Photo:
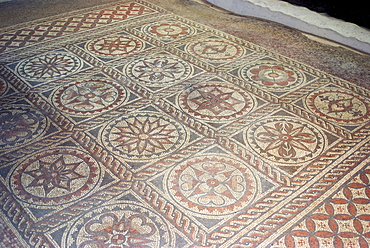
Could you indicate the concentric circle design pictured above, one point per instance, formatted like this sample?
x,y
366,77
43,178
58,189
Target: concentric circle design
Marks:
x,y
20,124
119,225
113,46
55,177
286,140
273,77
159,71
50,66
168,30
339,105
212,185
215,50
143,136
217,102
89,96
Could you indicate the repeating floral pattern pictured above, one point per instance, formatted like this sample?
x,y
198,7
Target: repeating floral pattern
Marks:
x,y
120,227
55,177
128,126
212,185
49,66
287,140
273,76
89,96
143,136
343,221
169,30
159,71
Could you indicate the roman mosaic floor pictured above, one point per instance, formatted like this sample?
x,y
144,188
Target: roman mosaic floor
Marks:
x,y
126,125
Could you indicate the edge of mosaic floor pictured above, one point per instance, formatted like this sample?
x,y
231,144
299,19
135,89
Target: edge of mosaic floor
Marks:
x,y
206,179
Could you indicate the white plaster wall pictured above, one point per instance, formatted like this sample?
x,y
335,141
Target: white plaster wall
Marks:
x,y
301,18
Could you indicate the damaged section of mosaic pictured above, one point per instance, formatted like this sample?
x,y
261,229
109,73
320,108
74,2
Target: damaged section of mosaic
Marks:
x,y
156,131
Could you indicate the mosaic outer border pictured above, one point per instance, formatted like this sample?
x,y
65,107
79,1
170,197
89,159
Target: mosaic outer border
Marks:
x,y
257,224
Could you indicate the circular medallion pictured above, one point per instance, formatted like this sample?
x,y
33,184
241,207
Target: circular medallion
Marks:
x,y
89,96
168,30
20,124
113,46
119,225
216,102
212,185
339,105
50,66
143,136
159,71
3,87
215,50
286,140
55,177
272,76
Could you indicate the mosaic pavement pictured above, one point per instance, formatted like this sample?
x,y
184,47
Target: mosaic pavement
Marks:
x,y
127,126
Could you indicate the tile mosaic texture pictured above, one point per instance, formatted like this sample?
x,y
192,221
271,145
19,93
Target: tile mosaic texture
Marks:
x,y
128,126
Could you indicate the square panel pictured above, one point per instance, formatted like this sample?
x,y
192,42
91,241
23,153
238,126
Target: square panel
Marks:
x,y
211,186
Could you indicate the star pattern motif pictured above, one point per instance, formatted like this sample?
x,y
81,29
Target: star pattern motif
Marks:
x,y
113,45
145,136
56,174
49,66
216,101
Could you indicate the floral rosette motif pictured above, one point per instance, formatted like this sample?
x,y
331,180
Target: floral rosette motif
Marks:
x,y
55,177
159,70
286,140
212,185
143,136
119,226
273,77
169,30
90,96
49,66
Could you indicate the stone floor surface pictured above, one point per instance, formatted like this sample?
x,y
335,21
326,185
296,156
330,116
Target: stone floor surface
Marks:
x,y
176,124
